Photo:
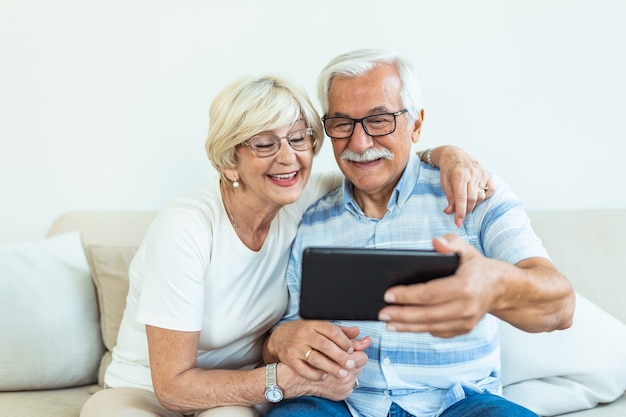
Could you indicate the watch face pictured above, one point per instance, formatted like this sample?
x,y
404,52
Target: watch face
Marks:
x,y
273,394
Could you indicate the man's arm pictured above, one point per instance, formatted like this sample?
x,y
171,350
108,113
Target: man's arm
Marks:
x,y
531,295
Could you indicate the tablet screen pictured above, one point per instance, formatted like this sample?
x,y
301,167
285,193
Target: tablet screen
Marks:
x,y
350,283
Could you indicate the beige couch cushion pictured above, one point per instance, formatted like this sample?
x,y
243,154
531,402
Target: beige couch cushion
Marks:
x,y
109,271
65,402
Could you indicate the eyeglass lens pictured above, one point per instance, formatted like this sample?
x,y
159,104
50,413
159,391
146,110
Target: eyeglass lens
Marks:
x,y
375,125
267,144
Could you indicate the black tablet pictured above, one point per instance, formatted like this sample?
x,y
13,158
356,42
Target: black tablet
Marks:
x,y
349,283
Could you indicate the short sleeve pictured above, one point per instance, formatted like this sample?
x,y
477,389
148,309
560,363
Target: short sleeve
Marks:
x,y
172,261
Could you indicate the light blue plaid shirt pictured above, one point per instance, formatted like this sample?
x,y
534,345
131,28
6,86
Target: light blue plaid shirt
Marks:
x,y
422,374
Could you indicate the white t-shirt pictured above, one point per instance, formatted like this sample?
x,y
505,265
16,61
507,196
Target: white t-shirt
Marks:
x,y
192,273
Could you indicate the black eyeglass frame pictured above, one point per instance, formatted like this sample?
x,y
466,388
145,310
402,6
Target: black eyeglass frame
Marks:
x,y
355,121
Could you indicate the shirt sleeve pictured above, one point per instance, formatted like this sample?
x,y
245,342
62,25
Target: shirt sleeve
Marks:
x,y
505,229
174,258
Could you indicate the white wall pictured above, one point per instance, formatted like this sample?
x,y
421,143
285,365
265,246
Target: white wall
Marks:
x,y
103,104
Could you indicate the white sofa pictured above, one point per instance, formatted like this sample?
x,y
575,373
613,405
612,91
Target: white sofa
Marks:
x,y
571,370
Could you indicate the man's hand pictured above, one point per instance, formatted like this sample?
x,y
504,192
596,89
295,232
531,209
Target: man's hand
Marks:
x,y
531,295
444,307
314,349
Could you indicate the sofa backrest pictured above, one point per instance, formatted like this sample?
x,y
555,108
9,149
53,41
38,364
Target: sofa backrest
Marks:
x,y
105,227
589,247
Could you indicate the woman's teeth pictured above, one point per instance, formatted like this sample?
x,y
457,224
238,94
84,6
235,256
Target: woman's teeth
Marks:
x,y
284,176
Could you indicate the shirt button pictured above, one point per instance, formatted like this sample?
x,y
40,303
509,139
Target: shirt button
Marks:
x,y
386,361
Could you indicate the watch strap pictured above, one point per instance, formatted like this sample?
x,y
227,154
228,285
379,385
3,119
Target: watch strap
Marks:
x,y
270,374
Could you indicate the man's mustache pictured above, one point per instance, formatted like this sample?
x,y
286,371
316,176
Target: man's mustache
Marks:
x,y
369,155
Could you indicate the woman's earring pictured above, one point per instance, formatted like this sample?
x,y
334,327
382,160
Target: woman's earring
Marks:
x,y
235,183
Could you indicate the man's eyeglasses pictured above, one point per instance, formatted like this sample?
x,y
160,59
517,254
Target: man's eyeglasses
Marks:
x,y
375,125
267,144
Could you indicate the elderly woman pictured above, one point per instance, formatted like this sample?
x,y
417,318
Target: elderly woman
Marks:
x,y
207,282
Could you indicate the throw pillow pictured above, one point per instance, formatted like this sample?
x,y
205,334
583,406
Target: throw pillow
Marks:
x,y
109,271
50,335
566,370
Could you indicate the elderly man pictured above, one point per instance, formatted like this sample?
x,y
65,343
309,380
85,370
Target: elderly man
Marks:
x,y
435,350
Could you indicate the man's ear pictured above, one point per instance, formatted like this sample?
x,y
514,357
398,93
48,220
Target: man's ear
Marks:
x,y
417,127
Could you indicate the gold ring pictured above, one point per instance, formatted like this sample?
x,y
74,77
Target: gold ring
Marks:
x,y
483,189
306,355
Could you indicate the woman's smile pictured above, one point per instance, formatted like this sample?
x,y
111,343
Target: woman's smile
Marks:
x,y
284,179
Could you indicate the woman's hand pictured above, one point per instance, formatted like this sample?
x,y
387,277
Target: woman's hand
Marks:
x,y
317,350
463,179
332,387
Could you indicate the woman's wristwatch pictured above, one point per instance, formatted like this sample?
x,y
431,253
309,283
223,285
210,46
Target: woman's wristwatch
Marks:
x,y
273,393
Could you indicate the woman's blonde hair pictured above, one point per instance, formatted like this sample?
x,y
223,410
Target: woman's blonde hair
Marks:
x,y
252,105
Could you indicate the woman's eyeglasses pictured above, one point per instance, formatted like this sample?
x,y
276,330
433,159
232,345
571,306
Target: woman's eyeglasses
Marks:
x,y
267,144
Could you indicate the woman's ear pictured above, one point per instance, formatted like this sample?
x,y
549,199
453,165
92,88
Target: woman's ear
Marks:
x,y
417,127
230,173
